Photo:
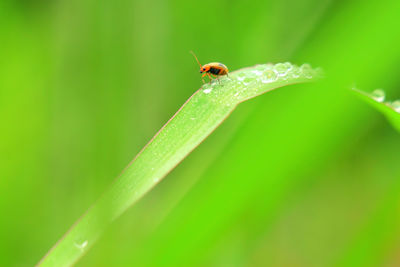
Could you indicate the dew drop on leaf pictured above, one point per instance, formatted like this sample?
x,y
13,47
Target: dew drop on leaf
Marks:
x,y
378,95
269,76
396,105
306,70
282,69
81,246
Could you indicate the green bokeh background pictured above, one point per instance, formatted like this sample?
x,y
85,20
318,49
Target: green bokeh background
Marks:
x,y
306,175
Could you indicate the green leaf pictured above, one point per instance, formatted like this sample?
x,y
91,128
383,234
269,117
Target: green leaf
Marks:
x,y
202,113
377,99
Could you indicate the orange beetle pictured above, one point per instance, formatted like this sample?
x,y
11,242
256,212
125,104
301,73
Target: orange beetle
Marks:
x,y
211,69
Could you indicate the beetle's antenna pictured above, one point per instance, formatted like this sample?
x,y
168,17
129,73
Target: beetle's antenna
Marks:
x,y
197,62
195,58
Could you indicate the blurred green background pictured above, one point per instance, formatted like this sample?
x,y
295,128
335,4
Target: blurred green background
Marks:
x,y
306,175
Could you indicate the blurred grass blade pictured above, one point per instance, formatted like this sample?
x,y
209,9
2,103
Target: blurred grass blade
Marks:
x,y
194,121
377,99
377,238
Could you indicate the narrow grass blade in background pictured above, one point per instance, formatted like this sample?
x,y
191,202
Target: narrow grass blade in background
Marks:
x,y
377,99
194,121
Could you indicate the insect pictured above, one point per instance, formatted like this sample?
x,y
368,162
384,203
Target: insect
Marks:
x,y
214,69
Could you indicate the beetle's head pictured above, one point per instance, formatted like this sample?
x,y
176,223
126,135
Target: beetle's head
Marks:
x,y
204,69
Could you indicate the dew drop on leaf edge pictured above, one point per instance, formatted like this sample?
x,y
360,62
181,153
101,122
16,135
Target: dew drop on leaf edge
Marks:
x,y
378,95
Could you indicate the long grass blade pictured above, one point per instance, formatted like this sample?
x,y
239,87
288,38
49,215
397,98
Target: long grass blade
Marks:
x,y
376,99
207,108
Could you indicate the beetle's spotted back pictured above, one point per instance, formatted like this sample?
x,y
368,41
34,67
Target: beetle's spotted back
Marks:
x,y
222,65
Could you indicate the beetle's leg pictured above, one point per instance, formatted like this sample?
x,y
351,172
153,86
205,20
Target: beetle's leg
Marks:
x,y
217,78
202,76
209,76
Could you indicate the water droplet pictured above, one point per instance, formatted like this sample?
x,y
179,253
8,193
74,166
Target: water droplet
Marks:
x,y
269,76
261,67
396,105
156,180
207,91
81,246
288,65
236,94
241,76
192,119
295,73
247,81
306,70
281,69
378,95
251,74
257,72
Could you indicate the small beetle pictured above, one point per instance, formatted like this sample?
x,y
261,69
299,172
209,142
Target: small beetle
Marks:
x,y
215,69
